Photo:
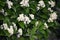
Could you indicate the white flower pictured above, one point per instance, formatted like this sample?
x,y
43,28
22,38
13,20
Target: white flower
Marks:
x,y
9,4
50,9
37,23
19,32
45,25
38,8
10,30
18,18
24,3
50,20
5,26
21,17
32,16
14,25
26,20
51,3
41,3
53,16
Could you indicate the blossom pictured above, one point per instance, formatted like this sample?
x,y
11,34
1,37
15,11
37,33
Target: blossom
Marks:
x,y
50,20
5,26
10,30
52,3
50,9
53,16
37,23
26,20
38,8
21,17
14,25
41,3
32,16
24,3
9,4
19,32
45,25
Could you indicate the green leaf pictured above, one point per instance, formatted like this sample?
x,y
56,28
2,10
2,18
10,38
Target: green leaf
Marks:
x,y
21,24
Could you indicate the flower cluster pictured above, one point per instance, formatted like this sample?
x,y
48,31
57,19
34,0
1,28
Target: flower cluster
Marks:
x,y
41,4
11,28
25,18
25,3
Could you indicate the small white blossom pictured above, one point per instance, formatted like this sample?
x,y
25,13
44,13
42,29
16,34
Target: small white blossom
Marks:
x,y
14,25
26,20
50,9
38,8
10,30
37,23
21,17
52,3
24,3
19,33
9,4
50,20
32,16
41,3
5,26
45,25
53,16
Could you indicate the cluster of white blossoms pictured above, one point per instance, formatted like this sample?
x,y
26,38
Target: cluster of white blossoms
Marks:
x,y
25,18
41,4
53,16
19,32
9,4
25,3
45,26
10,29
50,9
52,3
